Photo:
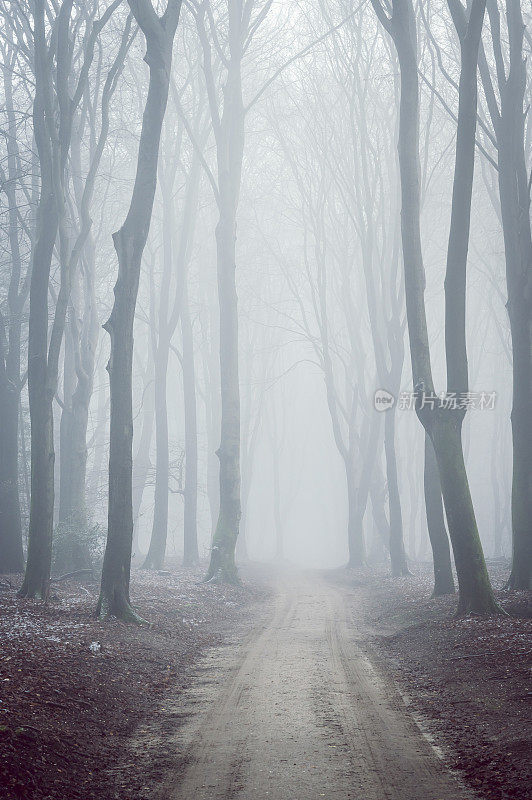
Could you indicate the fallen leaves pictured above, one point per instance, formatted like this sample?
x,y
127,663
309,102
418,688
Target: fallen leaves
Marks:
x,y
73,689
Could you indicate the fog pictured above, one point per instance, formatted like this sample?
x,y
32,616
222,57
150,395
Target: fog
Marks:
x,y
265,399
278,169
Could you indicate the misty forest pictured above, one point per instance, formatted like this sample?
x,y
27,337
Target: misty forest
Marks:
x,y
265,399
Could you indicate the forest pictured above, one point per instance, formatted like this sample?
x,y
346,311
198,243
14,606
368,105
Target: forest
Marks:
x,y
265,399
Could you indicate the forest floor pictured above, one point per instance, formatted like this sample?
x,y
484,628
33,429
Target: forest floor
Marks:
x,y
73,690
285,687
465,680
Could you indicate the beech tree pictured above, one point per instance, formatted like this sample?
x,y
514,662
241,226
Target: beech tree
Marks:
x,y
18,191
508,117
129,242
54,108
176,259
444,425
83,324
283,185
243,19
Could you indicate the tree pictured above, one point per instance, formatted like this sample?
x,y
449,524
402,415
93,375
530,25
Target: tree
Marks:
x,y
53,114
243,21
82,330
19,234
439,541
129,242
190,531
444,425
508,120
162,334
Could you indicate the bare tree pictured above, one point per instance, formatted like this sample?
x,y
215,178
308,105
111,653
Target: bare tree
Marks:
x,y
83,329
168,317
243,19
54,108
508,120
20,224
129,242
443,424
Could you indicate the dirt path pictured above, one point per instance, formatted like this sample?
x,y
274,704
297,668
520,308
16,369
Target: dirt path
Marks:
x,y
298,711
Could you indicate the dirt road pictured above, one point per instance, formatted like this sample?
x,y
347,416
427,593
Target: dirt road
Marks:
x,y
299,711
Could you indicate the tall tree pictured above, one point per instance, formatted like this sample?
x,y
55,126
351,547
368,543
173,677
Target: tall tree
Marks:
x,y
82,331
190,529
19,234
241,23
129,242
167,319
444,424
54,109
439,541
508,120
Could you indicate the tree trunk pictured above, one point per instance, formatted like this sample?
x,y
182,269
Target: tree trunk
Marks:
x,y
37,577
514,193
77,399
439,542
11,552
11,555
475,589
241,545
358,495
444,427
212,418
66,455
498,516
277,517
99,445
142,462
129,244
161,351
53,138
80,419
222,564
355,532
157,549
381,526
190,533
230,153
397,550
476,593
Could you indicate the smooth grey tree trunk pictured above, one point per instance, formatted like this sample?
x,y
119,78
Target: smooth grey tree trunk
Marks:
x,y
190,533
443,427
167,322
40,388
230,152
398,560
439,541
129,244
83,330
142,461
11,551
162,331
514,192
359,481
11,554
53,115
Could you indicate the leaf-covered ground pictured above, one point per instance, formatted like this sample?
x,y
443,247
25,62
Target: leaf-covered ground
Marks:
x,y
467,680
72,689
